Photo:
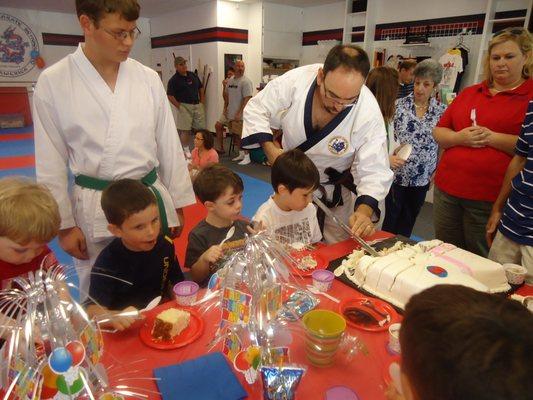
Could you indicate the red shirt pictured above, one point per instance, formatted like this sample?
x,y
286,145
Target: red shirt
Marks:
x,y
477,174
9,271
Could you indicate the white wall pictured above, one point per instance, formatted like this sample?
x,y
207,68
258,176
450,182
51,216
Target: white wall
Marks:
x,y
51,22
282,29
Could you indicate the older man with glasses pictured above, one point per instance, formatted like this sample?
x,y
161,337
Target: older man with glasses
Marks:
x,y
329,113
103,116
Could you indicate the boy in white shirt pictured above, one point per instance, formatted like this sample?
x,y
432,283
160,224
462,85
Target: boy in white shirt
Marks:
x,y
289,214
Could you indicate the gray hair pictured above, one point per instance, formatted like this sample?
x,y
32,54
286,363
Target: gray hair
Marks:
x,y
429,69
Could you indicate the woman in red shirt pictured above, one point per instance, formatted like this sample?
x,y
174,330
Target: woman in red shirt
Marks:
x,y
478,133
203,154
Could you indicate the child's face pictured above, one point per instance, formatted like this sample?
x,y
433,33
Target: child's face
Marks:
x,y
139,231
228,206
296,200
15,253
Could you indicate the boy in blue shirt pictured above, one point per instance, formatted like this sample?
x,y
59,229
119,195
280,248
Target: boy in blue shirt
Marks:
x,y
139,254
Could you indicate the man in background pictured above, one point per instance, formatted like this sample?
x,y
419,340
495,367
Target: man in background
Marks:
x,y
406,72
184,92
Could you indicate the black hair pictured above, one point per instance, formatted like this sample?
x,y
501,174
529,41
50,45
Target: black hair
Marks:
x,y
348,56
123,198
294,170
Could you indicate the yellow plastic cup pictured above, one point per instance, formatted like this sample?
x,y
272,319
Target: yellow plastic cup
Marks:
x,y
323,334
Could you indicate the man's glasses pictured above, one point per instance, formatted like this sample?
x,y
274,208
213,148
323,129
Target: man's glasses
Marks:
x,y
336,100
512,31
123,35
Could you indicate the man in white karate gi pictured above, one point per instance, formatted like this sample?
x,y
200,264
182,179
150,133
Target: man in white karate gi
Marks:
x,y
103,116
329,113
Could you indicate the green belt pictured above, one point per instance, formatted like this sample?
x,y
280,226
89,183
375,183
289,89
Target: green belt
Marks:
x,y
89,182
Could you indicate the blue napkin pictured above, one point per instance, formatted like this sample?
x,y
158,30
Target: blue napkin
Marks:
x,y
207,377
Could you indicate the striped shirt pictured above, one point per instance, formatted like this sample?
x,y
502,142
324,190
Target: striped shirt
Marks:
x,y
517,220
405,89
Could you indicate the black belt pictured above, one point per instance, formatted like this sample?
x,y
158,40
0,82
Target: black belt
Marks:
x,y
338,180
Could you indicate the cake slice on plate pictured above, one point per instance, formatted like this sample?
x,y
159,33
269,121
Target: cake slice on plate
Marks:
x,y
170,323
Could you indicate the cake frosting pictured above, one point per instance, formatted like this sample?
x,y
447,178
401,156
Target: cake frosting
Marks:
x,y
170,323
404,270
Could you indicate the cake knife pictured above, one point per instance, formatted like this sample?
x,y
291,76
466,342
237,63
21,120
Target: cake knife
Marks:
x,y
364,245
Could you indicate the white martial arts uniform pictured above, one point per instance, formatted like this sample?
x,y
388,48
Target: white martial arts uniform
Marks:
x,y
82,125
356,138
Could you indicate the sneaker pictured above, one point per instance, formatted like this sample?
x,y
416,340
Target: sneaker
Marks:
x,y
240,157
246,160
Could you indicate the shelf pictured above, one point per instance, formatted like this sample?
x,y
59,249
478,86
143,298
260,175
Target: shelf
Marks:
x,y
275,71
507,19
415,45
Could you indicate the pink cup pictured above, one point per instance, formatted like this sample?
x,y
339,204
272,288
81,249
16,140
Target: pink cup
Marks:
x,y
323,279
186,292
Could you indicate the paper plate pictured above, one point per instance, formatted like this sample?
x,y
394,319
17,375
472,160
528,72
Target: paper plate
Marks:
x,y
321,263
404,151
379,305
187,336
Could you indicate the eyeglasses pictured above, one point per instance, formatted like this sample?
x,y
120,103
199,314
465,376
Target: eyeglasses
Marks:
x,y
123,35
335,100
512,31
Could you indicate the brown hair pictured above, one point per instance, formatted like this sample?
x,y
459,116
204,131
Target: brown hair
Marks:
x,y
383,83
522,38
461,344
28,212
348,56
123,198
211,182
209,142
406,64
294,170
96,9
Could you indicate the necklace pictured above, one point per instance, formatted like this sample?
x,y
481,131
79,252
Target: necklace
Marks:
x,y
423,106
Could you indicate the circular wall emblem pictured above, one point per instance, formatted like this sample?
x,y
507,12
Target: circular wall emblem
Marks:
x,y
17,45
436,270
338,145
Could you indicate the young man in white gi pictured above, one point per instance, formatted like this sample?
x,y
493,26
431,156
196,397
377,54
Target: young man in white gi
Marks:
x,y
103,116
330,114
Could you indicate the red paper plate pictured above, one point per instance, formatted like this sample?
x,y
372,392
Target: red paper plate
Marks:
x,y
379,305
321,263
187,336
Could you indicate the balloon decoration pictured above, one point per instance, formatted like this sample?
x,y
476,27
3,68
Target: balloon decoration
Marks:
x,y
261,295
53,351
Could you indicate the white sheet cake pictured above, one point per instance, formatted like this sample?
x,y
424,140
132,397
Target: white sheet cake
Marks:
x,y
404,270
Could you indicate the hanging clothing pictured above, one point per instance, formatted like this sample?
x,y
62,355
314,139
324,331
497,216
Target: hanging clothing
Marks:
x,y
452,63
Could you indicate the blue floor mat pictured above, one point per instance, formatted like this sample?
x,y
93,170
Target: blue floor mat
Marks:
x,y
27,172
25,129
17,148
256,192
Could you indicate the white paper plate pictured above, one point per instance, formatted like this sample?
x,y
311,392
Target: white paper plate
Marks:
x,y
404,151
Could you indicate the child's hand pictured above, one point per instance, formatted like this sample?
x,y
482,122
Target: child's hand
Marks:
x,y
122,322
213,254
256,227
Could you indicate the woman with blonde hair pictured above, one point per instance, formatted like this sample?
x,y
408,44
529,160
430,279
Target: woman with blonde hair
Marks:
x,y
478,133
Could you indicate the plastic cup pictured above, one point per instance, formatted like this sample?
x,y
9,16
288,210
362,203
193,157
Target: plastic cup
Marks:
x,y
323,279
515,273
323,333
186,292
394,338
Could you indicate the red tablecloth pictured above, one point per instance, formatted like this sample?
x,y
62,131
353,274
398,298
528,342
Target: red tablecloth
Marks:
x,y
129,357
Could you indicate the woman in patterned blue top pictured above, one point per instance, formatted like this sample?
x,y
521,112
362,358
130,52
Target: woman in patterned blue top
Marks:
x,y
416,116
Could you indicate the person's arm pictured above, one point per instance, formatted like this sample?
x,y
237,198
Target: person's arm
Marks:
x,y
371,172
471,136
51,160
116,321
238,114
515,166
174,102
501,141
172,169
201,269
275,97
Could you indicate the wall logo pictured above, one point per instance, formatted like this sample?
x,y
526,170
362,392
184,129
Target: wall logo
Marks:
x,y
18,47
